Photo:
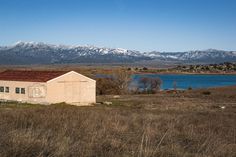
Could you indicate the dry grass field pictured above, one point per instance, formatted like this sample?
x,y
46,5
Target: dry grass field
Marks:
x,y
184,124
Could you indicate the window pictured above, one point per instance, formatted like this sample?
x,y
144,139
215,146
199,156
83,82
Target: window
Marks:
x,y
22,90
7,89
1,89
17,90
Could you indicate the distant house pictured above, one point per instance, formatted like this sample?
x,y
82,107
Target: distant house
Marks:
x,y
46,87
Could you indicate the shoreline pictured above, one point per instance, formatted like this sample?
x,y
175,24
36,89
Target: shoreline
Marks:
x,y
183,73
195,89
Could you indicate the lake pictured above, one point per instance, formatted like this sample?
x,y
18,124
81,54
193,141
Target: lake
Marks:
x,y
185,81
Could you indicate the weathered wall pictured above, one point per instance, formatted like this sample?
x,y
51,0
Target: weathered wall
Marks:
x,y
72,88
35,92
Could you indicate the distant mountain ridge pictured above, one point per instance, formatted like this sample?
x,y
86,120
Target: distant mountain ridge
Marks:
x,y
208,56
42,53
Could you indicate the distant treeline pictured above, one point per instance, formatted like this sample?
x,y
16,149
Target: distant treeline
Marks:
x,y
222,67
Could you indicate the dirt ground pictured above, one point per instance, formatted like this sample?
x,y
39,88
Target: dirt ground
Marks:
x,y
212,99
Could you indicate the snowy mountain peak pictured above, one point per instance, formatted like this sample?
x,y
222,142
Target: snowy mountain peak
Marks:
x,y
42,53
22,43
40,45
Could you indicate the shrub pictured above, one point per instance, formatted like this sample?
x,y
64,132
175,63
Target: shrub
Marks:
x,y
206,93
145,68
116,84
150,85
106,86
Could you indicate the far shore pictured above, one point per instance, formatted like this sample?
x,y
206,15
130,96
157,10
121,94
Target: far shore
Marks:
x,y
185,73
105,69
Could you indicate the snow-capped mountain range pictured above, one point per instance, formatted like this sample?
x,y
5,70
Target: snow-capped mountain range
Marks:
x,y
42,53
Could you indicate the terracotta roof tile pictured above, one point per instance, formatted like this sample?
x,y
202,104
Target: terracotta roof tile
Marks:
x,y
30,76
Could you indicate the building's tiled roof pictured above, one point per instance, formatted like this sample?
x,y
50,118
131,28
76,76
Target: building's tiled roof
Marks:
x,y
30,76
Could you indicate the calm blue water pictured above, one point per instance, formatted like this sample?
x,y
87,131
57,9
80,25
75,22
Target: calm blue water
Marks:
x,y
193,81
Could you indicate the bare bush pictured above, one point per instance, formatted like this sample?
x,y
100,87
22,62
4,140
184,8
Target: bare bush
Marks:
x,y
150,85
122,79
118,83
106,86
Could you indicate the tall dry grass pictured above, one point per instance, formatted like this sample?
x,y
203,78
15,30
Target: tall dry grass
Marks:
x,y
66,131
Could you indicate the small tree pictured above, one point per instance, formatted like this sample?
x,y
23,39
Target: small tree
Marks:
x,y
150,85
122,79
155,84
145,82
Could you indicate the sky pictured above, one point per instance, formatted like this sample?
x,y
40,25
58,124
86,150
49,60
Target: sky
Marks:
x,y
144,25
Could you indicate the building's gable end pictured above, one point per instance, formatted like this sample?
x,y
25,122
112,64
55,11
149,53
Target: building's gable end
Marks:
x,y
68,73
83,76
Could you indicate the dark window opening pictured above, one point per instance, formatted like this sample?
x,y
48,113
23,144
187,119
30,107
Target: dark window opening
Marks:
x,y
1,89
22,90
17,90
7,89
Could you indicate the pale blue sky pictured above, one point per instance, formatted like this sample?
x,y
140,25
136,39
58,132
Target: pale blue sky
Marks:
x,y
145,25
